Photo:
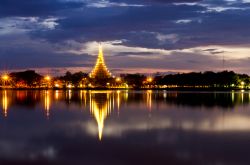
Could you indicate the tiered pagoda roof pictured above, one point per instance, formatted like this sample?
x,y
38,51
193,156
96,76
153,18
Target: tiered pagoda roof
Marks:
x,y
100,70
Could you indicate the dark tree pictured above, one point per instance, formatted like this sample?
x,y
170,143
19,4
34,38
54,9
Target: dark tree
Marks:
x,y
29,77
134,80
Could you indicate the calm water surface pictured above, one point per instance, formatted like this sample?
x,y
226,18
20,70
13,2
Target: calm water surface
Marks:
x,y
124,127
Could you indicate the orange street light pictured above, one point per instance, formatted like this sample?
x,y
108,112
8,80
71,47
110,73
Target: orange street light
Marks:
x,y
149,79
5,77
47,78
118,79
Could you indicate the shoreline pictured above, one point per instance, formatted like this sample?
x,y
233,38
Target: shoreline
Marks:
x,y
136,89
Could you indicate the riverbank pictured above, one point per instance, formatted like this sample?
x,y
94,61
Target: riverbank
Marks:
x,y
169,89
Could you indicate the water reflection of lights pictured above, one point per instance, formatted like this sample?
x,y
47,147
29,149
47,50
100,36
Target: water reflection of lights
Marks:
x,y
84,96
101,106
118,101
69,94
126,95
47,103
102,103
232,96
56,94
5,103
164,94
242,96
149,99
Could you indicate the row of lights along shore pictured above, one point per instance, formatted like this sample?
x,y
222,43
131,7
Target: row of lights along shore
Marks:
x,y
48,79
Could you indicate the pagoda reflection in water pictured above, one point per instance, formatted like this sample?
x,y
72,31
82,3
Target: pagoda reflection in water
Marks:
x,y
101,105
105,104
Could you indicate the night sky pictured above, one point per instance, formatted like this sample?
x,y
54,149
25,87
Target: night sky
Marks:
x,y
137,35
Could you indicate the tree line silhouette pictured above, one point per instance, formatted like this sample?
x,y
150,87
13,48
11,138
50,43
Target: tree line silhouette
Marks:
x,y
208,79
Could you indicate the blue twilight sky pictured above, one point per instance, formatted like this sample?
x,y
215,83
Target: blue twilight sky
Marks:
x,y
137,35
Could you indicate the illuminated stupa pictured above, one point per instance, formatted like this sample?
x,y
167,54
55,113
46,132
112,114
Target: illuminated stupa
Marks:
x,y
100,70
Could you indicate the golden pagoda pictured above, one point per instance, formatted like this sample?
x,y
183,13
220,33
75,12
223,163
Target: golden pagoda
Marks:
x,y
100,70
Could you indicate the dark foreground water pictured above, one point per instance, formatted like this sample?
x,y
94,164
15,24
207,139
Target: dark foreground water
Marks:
x,y
124,127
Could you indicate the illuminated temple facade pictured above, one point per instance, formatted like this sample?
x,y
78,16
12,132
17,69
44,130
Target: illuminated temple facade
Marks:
x,y
100,70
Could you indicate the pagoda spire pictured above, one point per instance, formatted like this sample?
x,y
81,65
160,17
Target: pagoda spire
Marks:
x,y
100,70
100,58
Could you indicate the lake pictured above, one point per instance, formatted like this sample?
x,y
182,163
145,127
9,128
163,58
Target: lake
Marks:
x,y
116,127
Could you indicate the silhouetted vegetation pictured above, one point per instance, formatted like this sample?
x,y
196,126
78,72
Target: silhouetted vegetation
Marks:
x,y
134,80
209,79
73,78
206,79
27,78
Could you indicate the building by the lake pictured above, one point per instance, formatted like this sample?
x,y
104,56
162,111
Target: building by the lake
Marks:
x,y
100,70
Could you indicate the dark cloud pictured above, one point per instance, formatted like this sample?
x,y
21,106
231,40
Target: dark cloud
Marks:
x,y
156,1
34,7
27,54
135,53
153,24
109,23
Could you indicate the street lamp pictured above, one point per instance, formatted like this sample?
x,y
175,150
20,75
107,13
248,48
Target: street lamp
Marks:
x,y
242,84
149,79
5,78
118,79
47,78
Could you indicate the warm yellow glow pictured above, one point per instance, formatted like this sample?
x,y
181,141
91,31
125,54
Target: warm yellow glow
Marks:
x,y
149,99
118,79
69,94
118,100
100,70
126,85
5,77
149,79
57,94
101,106
48,78
242,84
5,103
100,111
83,96
47,103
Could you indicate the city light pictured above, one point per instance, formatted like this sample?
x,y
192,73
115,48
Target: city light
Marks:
x,y
118,79
100,77
48,78
242,84
149,79
5,77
